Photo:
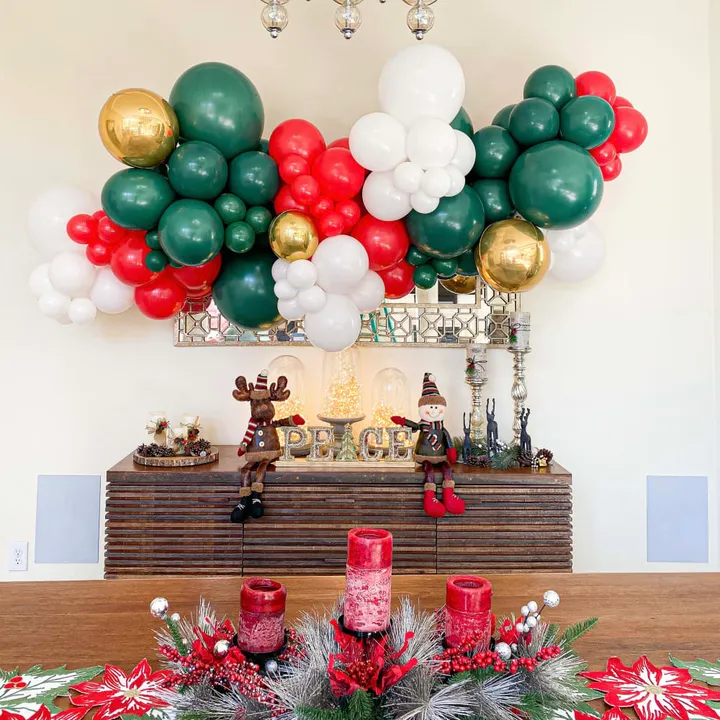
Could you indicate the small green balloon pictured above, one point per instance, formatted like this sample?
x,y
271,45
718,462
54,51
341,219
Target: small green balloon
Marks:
x,y
552,83
466,264
156,261
556,185
191,232
454,227
495,152
495,196
416,257
197,170
254,178
587,121
534,121
175,265
463,123
230,208
152,240
244,290
259,218
239,237
136,198
263,146
425,276
445,268
503,117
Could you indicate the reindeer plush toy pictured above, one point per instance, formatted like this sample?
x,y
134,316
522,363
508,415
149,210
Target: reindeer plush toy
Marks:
x,y
261,444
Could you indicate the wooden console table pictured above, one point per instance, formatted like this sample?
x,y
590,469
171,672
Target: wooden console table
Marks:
x,y
177,521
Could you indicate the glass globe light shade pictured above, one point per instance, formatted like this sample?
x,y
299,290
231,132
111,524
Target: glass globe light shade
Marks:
x,y
274,18
420,20
293,369
414,2
342,391
347,19
390,395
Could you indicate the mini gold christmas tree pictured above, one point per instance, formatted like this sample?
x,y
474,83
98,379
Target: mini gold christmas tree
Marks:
x,y
348,448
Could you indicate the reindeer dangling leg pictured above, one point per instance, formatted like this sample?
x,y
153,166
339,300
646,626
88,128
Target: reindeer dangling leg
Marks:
x,y
256,505
242,509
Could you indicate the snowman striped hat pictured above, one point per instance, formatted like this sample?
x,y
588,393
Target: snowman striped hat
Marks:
x,y
260,389
430,394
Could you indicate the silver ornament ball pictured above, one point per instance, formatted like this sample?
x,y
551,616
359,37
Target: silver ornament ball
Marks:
x,y
551,598
271,666
175,617
503,650
221,649
159,607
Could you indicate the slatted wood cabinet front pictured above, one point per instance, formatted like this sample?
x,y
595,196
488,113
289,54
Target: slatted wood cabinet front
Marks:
x,y
170,522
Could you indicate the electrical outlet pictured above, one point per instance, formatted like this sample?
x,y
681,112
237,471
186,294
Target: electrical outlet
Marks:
x,y
18,556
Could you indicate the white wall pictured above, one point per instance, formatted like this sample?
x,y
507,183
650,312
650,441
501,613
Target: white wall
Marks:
x,y
621,377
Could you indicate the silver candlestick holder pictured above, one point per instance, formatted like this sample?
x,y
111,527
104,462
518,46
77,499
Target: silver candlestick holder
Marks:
x,y
519,346
476,378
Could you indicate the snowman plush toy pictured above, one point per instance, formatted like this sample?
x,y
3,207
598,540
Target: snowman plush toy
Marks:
x,y
434,448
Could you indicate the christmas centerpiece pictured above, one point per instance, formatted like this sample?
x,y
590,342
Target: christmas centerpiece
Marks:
x,y
180,446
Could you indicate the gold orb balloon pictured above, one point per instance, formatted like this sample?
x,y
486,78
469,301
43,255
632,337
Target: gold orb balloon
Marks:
x,y
460,284
512,256
293,236
138,127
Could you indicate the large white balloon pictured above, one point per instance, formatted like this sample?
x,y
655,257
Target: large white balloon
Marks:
x,y
563,240
424,203
341,263
431,143
368,295
436,182
280,269
82,311
408,177
72,274
382,199
336,326
583,259
377,141
422,80
464,158
54,305
48,217
301,274
109,295
312,299
39,280
290,309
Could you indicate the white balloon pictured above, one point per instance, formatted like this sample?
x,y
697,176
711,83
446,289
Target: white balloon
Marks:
x,y
431,143
582,260
336,326
368,295
72,274
377,141
290,309
563,240
301,274
382,199
109,295
464,158
437,182
54,305
312,299
284,290
39,280
422,80
408,177
48,217
82,311
424,203
341,263
457,181
280,269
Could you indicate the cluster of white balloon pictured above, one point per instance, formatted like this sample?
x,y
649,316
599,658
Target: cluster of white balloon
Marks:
x,y
69,288
577,253
414,155
329,292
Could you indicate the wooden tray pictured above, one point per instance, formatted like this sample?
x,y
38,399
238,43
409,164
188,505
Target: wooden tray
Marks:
x,y
177,461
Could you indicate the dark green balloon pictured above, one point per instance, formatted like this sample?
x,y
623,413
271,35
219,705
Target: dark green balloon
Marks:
x,y
534,121
191,232
416,257
495,196
197,170
503,117
466,264
556,185
156,261
450,230
552,83
445,268
259,218
463,123
425,276
136,198
244,292
587,121
239,237
496,151
152,240
263,146
230,208
254,178
175,264
216,103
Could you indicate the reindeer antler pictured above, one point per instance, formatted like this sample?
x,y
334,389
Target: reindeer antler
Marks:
x,y
278,391
242,394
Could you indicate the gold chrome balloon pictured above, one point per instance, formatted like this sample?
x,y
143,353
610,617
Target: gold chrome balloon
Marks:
x,y
138,127
293,236
460,284
512,256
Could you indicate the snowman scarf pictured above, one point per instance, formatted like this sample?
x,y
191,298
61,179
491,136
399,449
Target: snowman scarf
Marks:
x,y
433,430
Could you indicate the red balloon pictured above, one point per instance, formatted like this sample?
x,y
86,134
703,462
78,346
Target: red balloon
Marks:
x,y
330,225
284,201
198,293
296,137
128,262
339,174
350,210
305,190
161,298
622,102
200,276
630,131
82,228
98,253
109,232
293,166
341,143
398,280
99,214
612,169
596,83
604,153
386,243
323,206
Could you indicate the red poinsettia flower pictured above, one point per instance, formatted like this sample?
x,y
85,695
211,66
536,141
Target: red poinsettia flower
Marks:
x,y
120,694
654,693
613,714
42,713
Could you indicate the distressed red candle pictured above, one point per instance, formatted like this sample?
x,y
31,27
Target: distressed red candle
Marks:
x,y
467,609
261,628
368,580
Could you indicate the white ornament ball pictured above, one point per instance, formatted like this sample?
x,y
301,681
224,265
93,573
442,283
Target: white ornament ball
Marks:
x,y
431,143
531,621
526,628
221,649
39,280
532,606
551,599
175,617
301,274
437,182
82,311
55,305
524,610
72,274
503,650
280,269
159,607
312,299
519,626
271,667
284,290
514,647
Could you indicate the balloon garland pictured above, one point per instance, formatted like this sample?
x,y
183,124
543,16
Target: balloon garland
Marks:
x,y
297,228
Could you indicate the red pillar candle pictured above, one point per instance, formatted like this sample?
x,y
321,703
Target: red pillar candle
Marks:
x,y
467,609
261,628
368,580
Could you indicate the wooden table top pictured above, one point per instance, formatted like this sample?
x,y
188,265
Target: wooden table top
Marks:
x,y
107,621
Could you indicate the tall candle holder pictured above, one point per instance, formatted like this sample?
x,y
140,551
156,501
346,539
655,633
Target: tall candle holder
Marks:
x,y
519,346
476,378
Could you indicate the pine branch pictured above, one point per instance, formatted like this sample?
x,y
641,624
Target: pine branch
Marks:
x,y
576,631
311,713
177,636
505,459
360,706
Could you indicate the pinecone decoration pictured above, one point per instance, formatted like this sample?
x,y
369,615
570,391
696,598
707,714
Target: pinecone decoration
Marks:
x,y
543,457
198,448
154,450
525,458
482,461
